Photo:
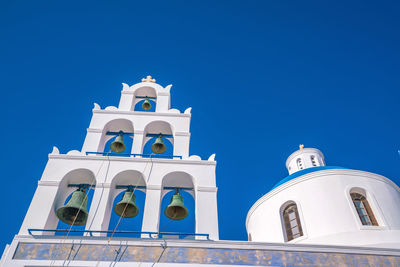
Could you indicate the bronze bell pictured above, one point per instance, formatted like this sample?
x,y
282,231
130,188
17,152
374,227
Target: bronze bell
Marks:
x,y
118,145
127,208
158,147
75,211
146,104
176,210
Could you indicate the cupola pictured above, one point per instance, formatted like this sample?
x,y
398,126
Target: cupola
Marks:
x,y
304,158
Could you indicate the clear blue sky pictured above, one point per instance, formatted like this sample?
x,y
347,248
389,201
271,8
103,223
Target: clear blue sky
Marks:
x,y
262,78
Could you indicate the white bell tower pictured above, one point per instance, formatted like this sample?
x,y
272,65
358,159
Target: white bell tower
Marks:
x,y
108,173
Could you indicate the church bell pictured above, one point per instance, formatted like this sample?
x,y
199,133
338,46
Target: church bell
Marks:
x,y
75,211
176,210
118,145
146,104
158,147
127,208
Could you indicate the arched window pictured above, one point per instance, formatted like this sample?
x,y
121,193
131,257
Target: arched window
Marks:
x,y
300,164
313,161
292,222
363,209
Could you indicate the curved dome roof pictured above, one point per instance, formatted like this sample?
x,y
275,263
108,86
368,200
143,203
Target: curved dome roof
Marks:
x,y
305,171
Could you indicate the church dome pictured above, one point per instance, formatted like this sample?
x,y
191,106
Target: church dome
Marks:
x,y
303,172
327,205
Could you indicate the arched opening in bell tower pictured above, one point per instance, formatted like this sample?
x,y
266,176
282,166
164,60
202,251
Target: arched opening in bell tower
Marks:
x,y
161,133
145,99
117,132
72,203
126,203
181,183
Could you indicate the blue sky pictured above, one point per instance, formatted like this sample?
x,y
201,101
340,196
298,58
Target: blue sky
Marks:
x,y
262,78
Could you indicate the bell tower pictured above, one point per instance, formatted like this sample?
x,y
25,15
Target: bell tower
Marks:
x,y
143,145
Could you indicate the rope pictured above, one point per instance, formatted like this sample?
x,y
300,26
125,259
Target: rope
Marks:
x,y
86,197
116,260
126,205
164,246
114,263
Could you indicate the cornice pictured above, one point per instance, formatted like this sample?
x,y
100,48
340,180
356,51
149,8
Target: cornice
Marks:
x,y
313,175
133,159
94,130
148,187
141,113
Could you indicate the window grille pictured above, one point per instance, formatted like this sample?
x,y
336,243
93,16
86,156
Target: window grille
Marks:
x,y
363,209
292,222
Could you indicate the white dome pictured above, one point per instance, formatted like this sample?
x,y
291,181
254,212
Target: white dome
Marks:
x,y
326,212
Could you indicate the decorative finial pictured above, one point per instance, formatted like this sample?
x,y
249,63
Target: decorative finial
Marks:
x,y
301,146
149,79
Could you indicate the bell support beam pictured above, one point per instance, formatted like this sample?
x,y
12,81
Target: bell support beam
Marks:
x,y
120,133
157,135
134,155
144,187
148,97
83,186
177,188
130,187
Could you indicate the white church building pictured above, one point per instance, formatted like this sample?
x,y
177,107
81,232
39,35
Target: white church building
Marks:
x,y
317,216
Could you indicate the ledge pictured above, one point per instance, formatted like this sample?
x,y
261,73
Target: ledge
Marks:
x,y
221,244
132,159
148,187
142,113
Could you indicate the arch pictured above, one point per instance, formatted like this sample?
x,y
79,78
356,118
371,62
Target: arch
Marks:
x,y
300,165
361,204
291,222
156,127
115,125
126,177
144,91
313,160
77,176
178,179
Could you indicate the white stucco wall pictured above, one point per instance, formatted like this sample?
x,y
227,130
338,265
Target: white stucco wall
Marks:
x,y
326,210
106,172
